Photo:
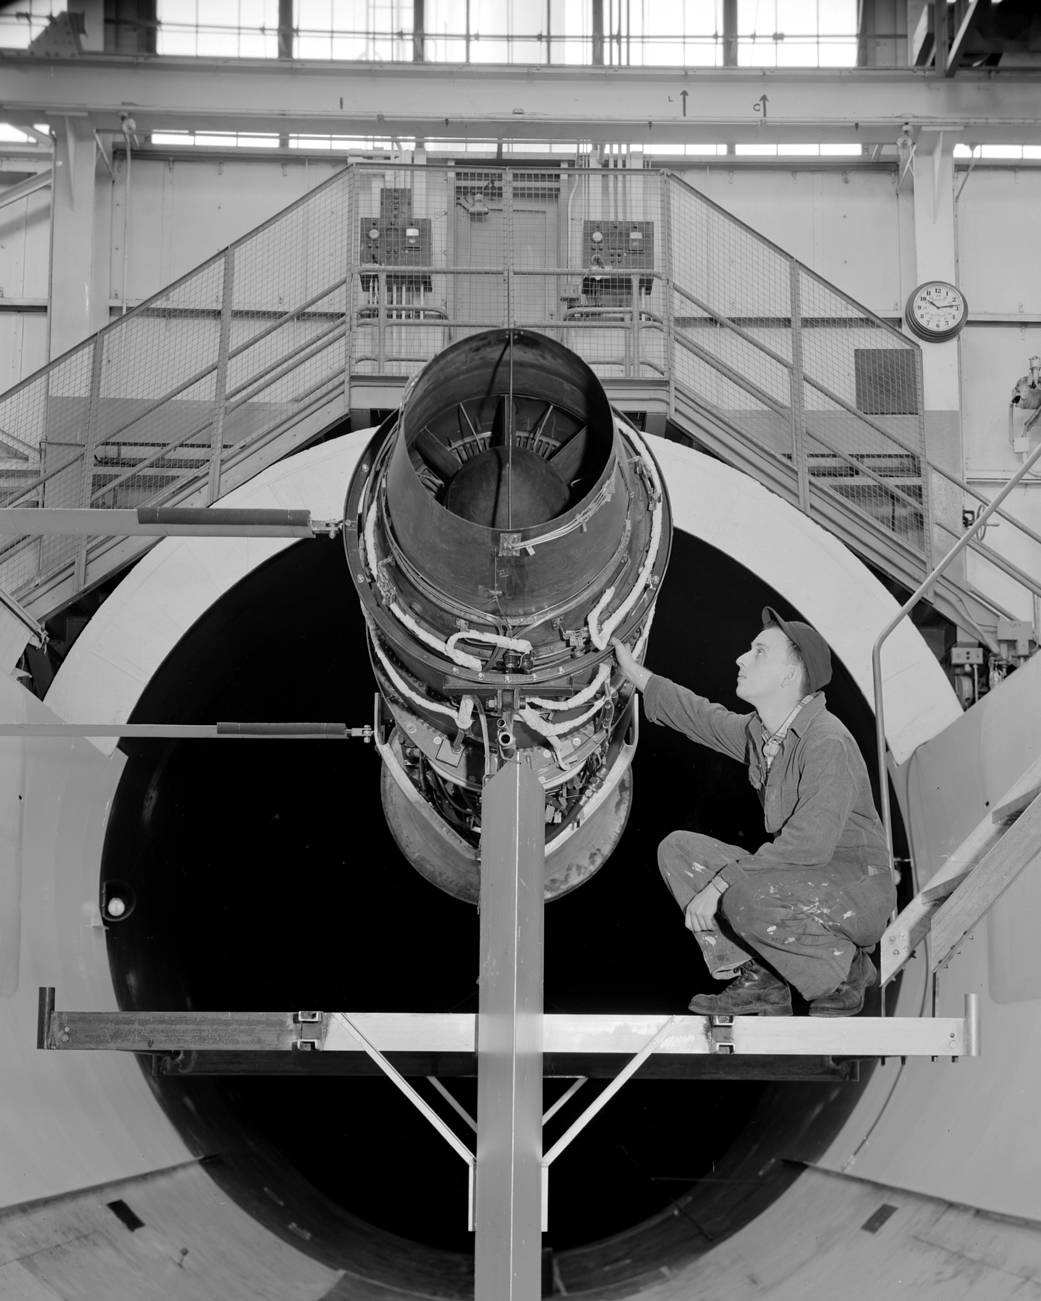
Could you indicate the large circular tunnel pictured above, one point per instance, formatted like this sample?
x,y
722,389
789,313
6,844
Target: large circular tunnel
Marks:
x,y
265,879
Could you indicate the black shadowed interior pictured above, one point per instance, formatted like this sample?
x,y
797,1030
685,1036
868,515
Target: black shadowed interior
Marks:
x,y
265,879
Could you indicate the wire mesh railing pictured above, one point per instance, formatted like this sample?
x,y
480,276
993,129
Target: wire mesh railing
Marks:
x,y
163,404
374,272
826,393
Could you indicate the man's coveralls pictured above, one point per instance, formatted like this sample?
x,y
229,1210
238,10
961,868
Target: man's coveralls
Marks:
x,y
806,900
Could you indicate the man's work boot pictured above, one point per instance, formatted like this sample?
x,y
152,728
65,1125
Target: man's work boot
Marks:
x,y
755,992
848,999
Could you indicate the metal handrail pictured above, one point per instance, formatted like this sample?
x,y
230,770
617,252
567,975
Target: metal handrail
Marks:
x,y
952,478
909,604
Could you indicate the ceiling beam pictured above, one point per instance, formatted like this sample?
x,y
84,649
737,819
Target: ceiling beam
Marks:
x,y
465,102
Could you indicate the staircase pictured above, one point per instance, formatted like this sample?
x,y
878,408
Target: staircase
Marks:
x,y
688,316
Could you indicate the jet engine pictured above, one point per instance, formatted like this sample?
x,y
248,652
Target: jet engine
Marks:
x,y
501,529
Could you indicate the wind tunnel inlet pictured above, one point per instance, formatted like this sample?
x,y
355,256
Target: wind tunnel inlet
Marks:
x,y
307,903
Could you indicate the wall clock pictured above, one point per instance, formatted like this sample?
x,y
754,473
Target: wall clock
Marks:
x,y
936,311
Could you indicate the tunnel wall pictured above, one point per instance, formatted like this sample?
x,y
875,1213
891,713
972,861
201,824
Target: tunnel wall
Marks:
x,y
969,1132
69,1121
95,1120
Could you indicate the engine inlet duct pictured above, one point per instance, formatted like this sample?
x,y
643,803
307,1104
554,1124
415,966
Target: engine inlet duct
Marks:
x,y
501,529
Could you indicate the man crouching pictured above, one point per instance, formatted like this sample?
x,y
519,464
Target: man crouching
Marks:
x,y
805,909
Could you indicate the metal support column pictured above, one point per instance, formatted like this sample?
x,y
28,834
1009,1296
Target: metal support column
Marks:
x,y
507,1253
795,380
77,306
85,495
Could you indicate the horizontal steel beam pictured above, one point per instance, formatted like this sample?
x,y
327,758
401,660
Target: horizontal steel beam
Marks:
x,y
173,521
661,1066
484,102
232,731
455,1033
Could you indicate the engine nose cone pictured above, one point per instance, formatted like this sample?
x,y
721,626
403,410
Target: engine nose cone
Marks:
x,y
507,488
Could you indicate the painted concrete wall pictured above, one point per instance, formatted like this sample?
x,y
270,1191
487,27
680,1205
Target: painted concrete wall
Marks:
x,y
1000,272
183,211
843,224
24,279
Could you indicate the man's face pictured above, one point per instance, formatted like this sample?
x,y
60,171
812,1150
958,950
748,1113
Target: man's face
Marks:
x,y
766,668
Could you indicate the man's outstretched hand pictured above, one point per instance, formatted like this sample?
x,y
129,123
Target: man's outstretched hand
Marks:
x,y
630,665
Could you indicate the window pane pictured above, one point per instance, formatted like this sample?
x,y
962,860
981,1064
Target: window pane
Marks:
x,y
489,51
175,41
571,28
508,31
310,45
797,33
223,28
353,29
445,31
506,17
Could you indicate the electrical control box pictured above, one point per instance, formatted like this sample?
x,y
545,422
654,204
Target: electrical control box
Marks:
x,y
612,247
966,655
396,239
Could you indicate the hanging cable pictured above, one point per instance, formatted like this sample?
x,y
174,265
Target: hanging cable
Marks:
x,y
462,717
600,636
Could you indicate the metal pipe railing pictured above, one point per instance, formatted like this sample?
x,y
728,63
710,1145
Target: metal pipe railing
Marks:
x,y
876,651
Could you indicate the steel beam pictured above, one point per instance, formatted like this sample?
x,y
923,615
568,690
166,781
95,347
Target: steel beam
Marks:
x,y
149,521
447,1066
225,731
566,1036
24,188
563,102
507,1252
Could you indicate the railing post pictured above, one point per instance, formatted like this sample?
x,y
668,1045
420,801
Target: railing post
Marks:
x,y
928,546
633,360
381,322
802,477
352,281
86,492
508,249
220,379
666,283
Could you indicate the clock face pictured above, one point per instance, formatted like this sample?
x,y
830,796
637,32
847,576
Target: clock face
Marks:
x,y
936,310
